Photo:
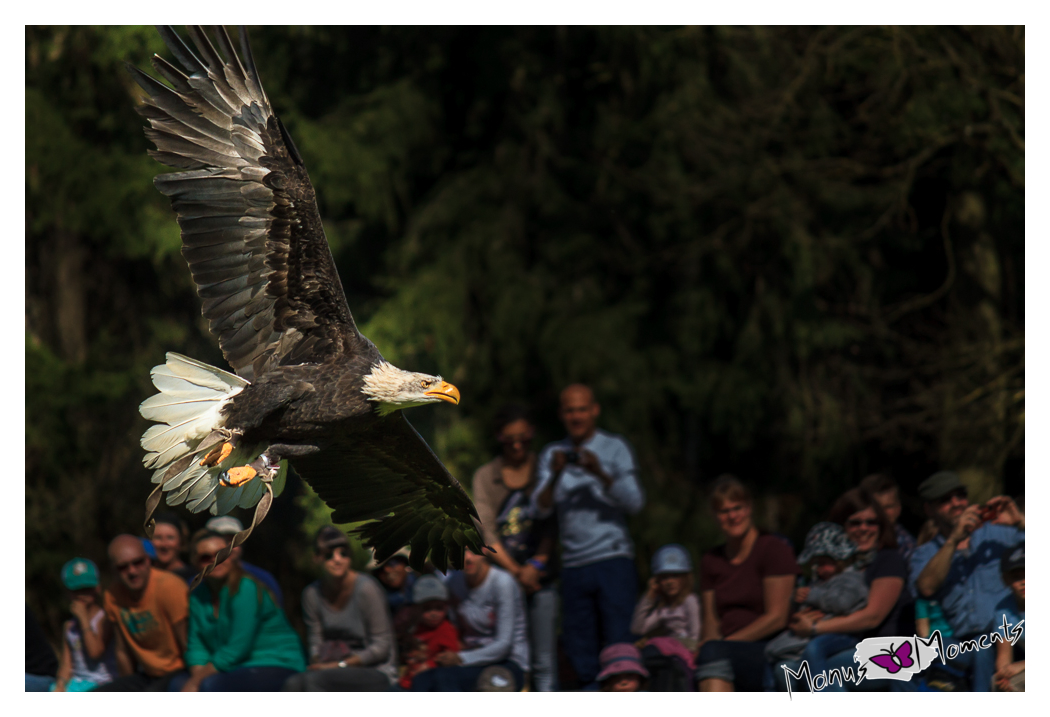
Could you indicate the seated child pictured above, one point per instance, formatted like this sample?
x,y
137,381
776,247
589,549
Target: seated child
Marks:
x,y
433,632
668,618
670,608
621,669
836,590
88,648
1009,659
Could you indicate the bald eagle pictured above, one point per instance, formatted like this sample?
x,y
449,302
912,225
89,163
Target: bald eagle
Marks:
x,y
308,389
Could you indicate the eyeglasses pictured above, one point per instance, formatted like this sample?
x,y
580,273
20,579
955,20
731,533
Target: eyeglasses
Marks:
x,y
957,493
330,553
519,438
866,522
136,563
729,510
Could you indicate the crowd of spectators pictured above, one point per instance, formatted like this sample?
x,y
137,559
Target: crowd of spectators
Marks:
x,y
561,553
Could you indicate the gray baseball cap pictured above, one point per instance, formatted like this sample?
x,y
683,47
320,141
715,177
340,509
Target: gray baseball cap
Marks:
x,y
428,587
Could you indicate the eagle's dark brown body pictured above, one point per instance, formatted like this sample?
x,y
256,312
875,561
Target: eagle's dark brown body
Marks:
x,y
306,403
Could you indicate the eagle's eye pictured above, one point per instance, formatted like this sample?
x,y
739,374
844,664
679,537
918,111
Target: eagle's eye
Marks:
x,y
425,384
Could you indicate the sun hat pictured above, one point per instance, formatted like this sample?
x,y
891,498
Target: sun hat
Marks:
x,y
939,485
427,588
672,558
224,525
828,539
619,658
79,573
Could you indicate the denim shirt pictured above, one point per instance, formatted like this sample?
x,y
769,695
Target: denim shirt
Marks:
x,y
973,586
592,518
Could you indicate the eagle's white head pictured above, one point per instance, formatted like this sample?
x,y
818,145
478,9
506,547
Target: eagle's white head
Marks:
x,y
394,389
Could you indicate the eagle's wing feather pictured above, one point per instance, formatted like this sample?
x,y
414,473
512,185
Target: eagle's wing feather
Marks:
x,y
391,477
251,231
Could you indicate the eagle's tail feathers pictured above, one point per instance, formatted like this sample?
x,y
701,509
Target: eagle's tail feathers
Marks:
x,y
186,412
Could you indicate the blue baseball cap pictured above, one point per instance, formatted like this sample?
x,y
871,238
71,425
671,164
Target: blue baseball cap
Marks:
x,y
672,558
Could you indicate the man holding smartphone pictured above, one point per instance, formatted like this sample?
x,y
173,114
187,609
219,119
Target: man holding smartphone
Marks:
x,y
590,478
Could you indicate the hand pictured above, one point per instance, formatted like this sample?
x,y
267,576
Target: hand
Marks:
x,y
529,577
448,659
192,685
801,594
589,462
801,624
968,522
558,462
653,591
1003,676
1009,513
79,611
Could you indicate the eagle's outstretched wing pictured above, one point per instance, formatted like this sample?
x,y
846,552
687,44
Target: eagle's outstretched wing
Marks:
x,y
391,469
251,232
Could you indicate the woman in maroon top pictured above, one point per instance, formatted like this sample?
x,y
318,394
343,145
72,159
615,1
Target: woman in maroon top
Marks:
x,y
745,595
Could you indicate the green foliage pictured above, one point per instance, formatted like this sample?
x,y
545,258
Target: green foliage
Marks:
x,y
795,254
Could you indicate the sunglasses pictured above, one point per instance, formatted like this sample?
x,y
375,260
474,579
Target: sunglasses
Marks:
x,y
330,553
137,563
957,493
866,522
203,558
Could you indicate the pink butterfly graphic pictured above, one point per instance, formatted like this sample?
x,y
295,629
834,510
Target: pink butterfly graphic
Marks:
x,y
894,660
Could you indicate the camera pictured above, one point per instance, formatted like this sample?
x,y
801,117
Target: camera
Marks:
x,y
990,512
572,457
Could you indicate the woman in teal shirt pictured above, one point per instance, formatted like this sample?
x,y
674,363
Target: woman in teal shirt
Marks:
x,y
239,639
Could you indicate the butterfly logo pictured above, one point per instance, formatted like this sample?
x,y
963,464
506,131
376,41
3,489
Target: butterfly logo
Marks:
x,y
894,659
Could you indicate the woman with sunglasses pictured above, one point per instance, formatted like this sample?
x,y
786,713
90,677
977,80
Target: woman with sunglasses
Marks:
x,y
239,639
522,544
348,630
885,573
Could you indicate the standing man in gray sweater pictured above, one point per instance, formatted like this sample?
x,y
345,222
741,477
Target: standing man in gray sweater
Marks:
x,y
590,478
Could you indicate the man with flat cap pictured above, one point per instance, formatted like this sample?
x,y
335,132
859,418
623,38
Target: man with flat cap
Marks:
x,y
959,567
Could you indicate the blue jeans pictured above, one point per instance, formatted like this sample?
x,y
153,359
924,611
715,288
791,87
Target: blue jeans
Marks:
x,y
462,678
600,593
742,663
38,683
542,607
978,664
242,679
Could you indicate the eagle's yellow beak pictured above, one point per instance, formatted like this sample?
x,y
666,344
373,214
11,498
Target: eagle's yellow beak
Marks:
x,y
446,392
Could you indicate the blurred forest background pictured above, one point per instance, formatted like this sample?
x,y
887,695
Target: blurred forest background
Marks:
x,y
794,254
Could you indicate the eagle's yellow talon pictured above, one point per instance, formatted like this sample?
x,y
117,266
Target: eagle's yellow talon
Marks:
x,y
239,476
218,454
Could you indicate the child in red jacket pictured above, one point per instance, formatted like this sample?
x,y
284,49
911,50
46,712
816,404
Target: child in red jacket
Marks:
x,y
433,633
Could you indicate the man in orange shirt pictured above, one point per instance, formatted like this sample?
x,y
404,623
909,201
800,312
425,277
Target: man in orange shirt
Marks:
x,y
150,609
